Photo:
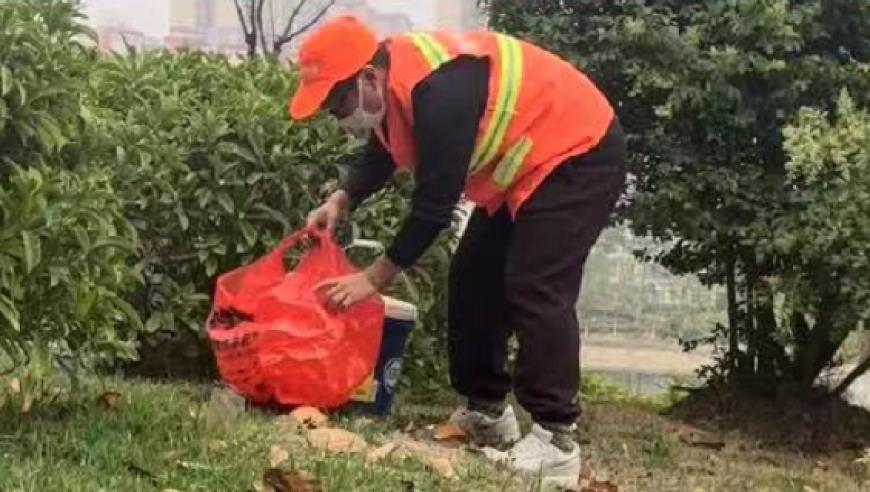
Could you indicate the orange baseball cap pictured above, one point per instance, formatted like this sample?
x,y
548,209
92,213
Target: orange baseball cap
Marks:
x,y
341,47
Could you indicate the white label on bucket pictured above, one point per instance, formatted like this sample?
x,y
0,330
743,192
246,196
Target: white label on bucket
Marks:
x,y
392,369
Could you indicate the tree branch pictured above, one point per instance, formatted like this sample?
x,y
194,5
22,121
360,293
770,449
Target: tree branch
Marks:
x,y
272,19
280,42
859,370
241,17
291,20
260,5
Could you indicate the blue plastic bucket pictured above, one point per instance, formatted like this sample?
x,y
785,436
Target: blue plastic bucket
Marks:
x,y
376,395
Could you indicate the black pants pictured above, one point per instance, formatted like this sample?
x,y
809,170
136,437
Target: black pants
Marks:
x,y
523,276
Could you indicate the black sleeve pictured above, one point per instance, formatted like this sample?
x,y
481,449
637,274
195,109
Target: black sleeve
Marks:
x,y
368,172
448,106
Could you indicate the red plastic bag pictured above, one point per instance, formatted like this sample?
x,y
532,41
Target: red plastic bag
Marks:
x,y
275,341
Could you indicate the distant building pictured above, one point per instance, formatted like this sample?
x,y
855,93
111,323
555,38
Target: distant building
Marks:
x,y
206,25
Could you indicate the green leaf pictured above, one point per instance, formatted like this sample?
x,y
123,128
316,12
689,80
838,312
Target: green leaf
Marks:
x,y
245,154
22,94
275,215
155,321
183,221
56,274
128,311
120,154
84,302
32,250
5,80
248,232
114,242
3,114
82,237
7,309
226,202
211,266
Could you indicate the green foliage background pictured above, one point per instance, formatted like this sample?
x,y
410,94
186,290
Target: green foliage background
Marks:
x,y
714,97
130,182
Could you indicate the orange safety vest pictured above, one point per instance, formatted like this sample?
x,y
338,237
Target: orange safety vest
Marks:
x,y
540,111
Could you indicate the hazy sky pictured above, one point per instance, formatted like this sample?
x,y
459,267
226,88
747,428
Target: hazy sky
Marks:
x,y
152,16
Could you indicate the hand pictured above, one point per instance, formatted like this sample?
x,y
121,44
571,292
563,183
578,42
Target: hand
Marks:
x,y
343,292
326,216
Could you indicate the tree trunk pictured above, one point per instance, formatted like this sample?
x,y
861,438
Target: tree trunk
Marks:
x,y
767,373
733,335
251,37
251,41
821,344
749,370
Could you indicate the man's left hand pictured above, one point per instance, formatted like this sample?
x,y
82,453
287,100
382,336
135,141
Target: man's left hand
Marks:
x,y
343,292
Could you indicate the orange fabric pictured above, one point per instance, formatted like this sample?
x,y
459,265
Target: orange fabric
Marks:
x,y
558,108
335,51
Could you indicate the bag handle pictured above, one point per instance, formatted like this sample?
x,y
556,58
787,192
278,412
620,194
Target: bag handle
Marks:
x,y
276,256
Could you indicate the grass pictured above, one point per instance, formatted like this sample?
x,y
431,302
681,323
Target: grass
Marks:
x,y
158,438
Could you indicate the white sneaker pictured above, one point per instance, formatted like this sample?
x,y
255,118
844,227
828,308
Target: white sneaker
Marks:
x,y
483,430
536,454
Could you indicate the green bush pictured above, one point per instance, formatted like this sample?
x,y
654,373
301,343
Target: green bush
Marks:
x,y
67,255
211,170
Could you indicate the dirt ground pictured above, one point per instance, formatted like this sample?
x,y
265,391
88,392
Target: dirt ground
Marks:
x,y
607,353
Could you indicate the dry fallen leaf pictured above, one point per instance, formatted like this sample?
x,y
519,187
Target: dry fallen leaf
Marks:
x,y
277,455
599,486
440,465
309,417
336,440
586,472
15,386
110,400
259,486
437,458
699,438
290,481
381,452
173,455
216,445
449,431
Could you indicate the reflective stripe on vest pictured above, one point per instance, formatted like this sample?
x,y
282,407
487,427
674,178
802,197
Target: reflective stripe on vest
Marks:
x,y
510,81
434,52
507,168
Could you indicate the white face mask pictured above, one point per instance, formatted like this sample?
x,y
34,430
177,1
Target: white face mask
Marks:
x,y
361,119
